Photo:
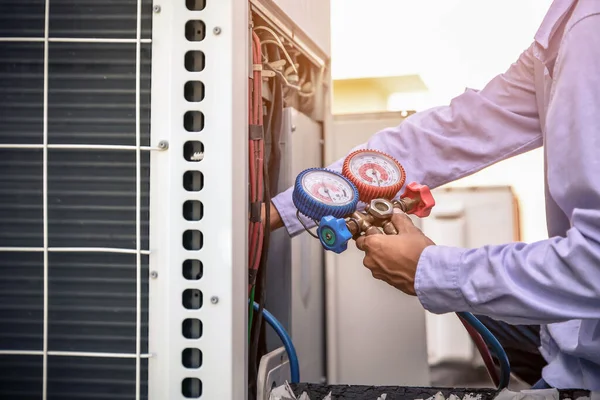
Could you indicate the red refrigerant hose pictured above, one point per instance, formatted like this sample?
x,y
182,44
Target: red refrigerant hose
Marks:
x,y
256,149
484,351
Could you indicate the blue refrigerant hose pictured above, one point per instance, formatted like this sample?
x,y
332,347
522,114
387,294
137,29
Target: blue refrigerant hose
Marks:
x,y
494,345
287,343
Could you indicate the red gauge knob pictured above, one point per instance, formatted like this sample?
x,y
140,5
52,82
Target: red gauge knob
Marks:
x,y
375,174
420,201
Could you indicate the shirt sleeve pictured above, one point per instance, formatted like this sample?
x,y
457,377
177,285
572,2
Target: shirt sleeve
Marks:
x,y
558,279
442,144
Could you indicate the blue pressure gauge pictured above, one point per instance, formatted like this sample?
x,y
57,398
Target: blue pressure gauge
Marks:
x,y
320,192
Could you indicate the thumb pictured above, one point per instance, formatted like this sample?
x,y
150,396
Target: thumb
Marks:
x,y
401,221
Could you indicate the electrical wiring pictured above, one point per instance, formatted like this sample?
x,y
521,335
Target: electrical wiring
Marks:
x,y
492,343
256,164
262,278
264,164
286,340
294,66
262,196
279,43
289,84
258,243
483,350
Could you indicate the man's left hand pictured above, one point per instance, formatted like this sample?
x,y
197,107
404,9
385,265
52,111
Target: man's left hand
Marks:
x,y
394,258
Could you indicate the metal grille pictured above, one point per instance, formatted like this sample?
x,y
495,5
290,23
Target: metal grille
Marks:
x,y
74,198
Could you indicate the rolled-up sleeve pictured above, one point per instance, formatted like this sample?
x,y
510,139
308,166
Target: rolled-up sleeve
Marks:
x,y
557,279
442,144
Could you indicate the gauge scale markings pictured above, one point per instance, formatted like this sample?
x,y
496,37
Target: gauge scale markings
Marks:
x,y
375,169
327,188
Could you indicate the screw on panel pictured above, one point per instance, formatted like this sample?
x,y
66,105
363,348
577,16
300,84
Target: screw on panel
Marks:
x,y
156,8
217,30
153,274
214,299
163,145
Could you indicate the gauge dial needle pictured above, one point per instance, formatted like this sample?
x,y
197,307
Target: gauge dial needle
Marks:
x,y
327,191
375,177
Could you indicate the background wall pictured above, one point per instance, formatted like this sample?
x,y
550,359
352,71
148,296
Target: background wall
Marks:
x,y
450,45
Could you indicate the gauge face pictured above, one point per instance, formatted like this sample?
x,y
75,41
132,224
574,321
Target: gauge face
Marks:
x,y
327,188
375,169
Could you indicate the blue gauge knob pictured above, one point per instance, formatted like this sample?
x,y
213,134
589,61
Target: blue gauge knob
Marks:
x,y
320,192
334,234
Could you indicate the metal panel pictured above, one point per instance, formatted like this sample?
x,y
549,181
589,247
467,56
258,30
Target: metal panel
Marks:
x,y
447,339
307,295
313,17
279,275
295,277
198,261
462,218
392,349
74,143
307,23
482,227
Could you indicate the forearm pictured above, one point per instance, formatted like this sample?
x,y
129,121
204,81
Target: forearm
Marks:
x,y
549,281
442,144
556,279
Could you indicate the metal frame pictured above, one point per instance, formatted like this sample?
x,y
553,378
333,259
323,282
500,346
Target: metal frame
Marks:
x,y
223,227
45,146
287,27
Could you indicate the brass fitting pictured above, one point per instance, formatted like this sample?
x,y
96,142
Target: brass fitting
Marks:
x,y
362,222
404,204
380,208
375,218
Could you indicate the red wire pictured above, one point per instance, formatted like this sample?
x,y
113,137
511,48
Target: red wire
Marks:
x,y
484,351
256,156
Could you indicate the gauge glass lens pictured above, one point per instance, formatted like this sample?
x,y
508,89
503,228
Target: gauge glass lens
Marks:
x,y
375,169
327,188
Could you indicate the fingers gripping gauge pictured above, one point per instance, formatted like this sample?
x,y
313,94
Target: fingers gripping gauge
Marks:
x,y
375,174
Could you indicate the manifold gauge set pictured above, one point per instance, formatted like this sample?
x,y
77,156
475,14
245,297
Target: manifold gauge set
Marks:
x,y
370,177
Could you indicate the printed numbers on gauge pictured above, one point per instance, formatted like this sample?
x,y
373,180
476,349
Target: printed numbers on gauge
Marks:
x,y
375,169
327,188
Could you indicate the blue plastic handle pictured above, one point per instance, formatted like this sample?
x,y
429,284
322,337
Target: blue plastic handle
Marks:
x,y
334,234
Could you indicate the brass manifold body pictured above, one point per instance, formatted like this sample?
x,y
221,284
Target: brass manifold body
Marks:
x,y
376,218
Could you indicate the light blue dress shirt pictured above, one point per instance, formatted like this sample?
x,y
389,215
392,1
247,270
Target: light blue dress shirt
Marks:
x,y
549,97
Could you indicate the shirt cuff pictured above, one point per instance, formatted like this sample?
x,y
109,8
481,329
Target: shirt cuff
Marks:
x,y
437,280
284,205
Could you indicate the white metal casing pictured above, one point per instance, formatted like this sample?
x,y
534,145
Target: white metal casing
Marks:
x,y
462,218
375,334
313,17
304,21
224,198
307,294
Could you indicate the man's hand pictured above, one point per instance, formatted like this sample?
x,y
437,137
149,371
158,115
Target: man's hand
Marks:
x,y
275,221
394,258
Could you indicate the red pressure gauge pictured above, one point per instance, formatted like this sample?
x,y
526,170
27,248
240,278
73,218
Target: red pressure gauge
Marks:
x,y
375,174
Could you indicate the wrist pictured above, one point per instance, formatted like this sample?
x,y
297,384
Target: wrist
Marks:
x,y
275,221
